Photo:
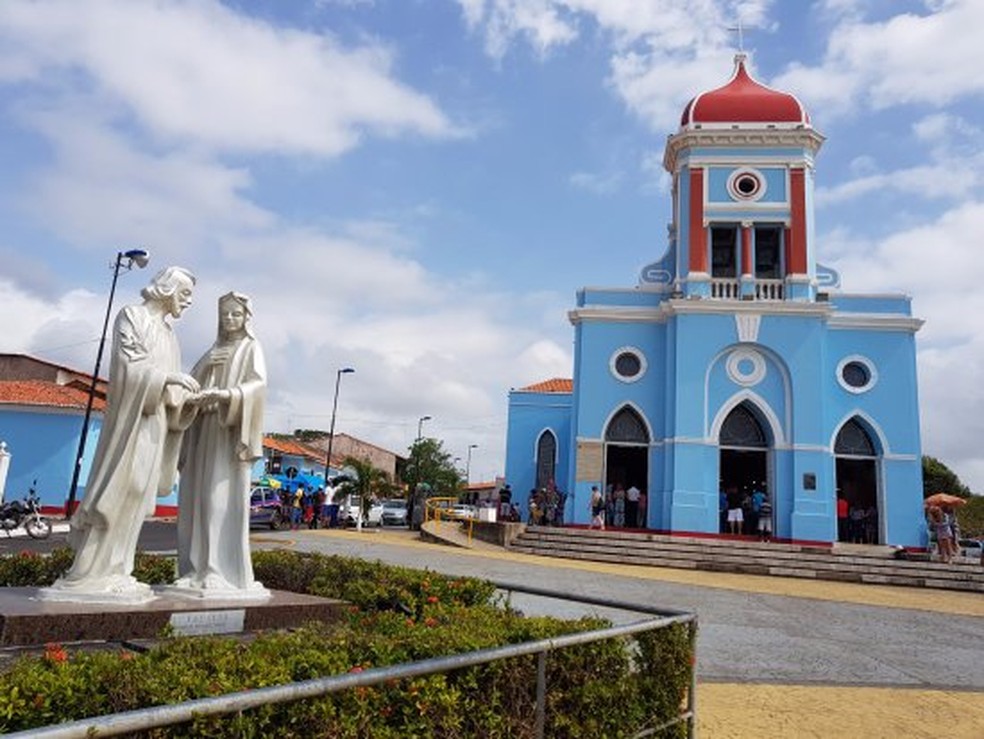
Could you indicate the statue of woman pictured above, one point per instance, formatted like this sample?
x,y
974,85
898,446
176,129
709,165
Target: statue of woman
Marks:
x,y
136,458
217,458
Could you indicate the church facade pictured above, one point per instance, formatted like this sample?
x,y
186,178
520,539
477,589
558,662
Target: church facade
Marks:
x,y
736,361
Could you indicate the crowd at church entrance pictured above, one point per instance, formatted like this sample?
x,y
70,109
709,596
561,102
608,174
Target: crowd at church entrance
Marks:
x,y
618,507
745,512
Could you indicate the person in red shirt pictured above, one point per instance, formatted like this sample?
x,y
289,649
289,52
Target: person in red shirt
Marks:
x,y
841,518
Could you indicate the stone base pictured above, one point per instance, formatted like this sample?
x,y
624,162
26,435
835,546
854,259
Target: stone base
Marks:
x,y
26,620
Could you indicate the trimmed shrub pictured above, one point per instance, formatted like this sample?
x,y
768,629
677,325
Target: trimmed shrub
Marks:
x,y
30,569
614,688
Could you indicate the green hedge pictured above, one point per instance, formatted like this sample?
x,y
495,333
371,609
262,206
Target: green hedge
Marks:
x,y
607,689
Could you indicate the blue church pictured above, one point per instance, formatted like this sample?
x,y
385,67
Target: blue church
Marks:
x,y
736,361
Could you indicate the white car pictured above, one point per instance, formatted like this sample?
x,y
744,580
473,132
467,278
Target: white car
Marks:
x,y
373,517
462,511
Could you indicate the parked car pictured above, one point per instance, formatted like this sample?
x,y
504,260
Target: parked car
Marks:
x,y
971,548
462,511
373,517
264,508
395,513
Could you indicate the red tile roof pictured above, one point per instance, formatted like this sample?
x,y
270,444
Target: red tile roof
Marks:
x,y
42,393
288,446
555,385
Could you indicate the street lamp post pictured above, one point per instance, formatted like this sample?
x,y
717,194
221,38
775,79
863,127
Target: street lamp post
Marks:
x,y
468,464
420,426
331,429
124,260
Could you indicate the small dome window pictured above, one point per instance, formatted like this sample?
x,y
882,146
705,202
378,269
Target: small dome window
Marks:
x,y
628,364
746,184
856,374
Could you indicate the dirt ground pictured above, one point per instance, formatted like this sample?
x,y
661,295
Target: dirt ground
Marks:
x,y
727,711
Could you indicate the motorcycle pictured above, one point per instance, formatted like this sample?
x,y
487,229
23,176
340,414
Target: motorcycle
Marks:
x,y
26,513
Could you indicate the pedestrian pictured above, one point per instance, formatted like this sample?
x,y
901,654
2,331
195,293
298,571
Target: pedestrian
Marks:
x,y
597,507
842,510
297,507
765,518
944,534
619,512
735,516
632,506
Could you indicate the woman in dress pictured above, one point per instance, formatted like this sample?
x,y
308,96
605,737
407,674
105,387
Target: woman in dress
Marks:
x,y
217,457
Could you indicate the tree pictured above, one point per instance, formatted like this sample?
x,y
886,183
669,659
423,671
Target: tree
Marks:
x,y
938,478
366,481
429,463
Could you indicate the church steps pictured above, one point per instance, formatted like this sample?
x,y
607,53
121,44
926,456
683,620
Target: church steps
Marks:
x,y
747,557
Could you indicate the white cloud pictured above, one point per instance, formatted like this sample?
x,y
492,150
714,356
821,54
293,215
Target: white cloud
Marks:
x,y
663,51
955,171
939,263
597,183
908,58
198,72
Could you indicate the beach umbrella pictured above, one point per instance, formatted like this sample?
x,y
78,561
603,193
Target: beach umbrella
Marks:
x,y
270,482
943,499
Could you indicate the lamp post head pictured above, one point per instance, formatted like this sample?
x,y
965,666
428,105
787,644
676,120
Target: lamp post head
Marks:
x,y
425,418
473,446
346,371
139,257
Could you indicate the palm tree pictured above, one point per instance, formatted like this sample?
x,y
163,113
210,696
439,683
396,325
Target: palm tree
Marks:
x,y
368,482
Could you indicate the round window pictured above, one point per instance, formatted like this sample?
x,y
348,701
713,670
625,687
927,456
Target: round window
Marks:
x,y
856,374
746,184
627,364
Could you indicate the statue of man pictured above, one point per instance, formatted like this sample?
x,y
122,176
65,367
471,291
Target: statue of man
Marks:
x,y
136,458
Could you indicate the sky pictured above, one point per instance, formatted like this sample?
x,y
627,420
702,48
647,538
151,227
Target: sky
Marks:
x,y
416,188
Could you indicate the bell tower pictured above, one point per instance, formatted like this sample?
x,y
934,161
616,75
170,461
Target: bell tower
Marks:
x,y
742,168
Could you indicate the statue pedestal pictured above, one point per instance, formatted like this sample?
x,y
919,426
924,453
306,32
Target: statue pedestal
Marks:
x,y
26,620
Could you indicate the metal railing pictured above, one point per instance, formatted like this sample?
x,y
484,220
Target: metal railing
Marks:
x,y
160,716
441,509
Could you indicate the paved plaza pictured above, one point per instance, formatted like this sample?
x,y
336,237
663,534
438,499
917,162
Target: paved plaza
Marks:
x,y
817,658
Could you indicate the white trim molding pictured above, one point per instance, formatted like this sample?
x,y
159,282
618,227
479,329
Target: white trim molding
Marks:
x,y
734,363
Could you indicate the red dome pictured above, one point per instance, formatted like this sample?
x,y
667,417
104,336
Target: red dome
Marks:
x,y
743,100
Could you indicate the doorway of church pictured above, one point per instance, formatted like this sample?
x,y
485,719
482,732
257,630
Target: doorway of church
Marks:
x,y
627,467
743,471
857,483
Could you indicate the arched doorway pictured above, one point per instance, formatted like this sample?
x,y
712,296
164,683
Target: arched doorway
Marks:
x,y
627,466
546,459
856,460
744,460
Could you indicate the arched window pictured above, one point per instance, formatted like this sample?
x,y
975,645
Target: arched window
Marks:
x,y
546,458
628,427
742,429
853,440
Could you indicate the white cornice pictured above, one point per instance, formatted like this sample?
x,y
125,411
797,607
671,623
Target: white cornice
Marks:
x,y
668,308
879,321
807,138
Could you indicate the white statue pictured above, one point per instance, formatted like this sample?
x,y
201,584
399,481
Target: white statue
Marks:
x,y
136,459
217,458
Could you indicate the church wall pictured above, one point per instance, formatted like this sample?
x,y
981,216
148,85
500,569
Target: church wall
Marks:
x,y
901,503
529,415
890,403
601,393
